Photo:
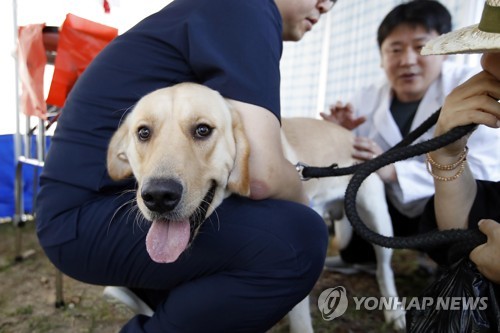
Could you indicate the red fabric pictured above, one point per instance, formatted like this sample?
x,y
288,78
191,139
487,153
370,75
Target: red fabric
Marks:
x,y
80,40
32,61
107,9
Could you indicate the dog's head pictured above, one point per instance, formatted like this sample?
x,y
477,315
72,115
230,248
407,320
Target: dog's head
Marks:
x,y
186,147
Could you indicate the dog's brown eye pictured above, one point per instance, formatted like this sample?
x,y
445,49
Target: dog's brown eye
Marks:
x,y
202,131
143,133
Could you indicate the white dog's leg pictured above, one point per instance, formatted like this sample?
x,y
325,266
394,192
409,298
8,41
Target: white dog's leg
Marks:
x,y
343,232
372,208
385,279
300,318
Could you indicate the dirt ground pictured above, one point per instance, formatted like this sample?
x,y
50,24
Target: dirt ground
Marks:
x,y
27,294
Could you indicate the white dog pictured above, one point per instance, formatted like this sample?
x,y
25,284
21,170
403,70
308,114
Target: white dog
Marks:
x,y
320,143
184,169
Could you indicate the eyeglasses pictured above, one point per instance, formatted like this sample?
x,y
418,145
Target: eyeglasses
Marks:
x,y
327,4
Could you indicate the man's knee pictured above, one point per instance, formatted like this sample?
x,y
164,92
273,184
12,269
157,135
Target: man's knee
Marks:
x,y
304,233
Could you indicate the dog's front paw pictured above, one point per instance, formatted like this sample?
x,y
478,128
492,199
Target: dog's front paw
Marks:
x,y
397,318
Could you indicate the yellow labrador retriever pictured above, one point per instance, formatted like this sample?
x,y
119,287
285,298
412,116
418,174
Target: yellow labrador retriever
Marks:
x,y
186,148
187,151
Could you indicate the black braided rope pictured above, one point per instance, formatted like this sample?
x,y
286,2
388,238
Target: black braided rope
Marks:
x,y
462,241
466,240
333,170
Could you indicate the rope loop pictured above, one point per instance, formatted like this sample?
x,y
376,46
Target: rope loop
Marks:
x,y
463,241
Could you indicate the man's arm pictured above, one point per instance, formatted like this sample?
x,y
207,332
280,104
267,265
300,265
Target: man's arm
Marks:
x,y
271,174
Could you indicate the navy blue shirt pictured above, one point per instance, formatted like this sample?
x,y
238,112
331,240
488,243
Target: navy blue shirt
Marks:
x,y
232,46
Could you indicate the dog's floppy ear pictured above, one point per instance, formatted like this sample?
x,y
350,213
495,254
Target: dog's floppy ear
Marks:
x,y
117,161
239,178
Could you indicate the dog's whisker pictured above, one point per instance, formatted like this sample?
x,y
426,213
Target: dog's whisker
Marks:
x,y
140,220
201,214
124,192
216,218
125,204
138,214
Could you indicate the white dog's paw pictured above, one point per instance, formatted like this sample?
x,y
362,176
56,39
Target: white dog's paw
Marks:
x,y
397,318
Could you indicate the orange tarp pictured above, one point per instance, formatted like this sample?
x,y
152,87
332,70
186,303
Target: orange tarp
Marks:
x,y
80,40
32,61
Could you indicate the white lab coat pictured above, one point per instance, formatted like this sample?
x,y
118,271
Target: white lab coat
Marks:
x,y
415,185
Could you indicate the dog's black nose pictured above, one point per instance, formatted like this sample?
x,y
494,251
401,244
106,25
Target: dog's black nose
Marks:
x,y
161,195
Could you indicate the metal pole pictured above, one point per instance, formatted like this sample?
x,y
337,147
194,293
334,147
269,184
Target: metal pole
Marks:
x,y
18,183
18,187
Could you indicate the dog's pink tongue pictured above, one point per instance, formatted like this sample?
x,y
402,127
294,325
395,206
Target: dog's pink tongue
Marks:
x,y
166,241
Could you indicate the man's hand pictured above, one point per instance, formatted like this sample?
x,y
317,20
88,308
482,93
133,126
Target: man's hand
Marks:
x,y
366,149
343,115
487,256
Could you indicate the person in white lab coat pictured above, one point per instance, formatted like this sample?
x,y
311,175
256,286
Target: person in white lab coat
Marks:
x,y
382,113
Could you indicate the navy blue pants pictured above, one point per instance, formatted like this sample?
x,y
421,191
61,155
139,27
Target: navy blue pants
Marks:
x,y
251,262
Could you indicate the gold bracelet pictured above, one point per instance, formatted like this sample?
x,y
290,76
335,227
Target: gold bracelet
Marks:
x,y
447,179
448,167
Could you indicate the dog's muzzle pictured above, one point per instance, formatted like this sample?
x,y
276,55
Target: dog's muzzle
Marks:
x,y
167,238
161,195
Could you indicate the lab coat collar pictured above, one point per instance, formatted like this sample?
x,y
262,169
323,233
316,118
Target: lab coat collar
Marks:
x,y
431,102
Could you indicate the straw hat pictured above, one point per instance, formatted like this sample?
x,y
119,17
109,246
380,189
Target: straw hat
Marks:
x,y
477,38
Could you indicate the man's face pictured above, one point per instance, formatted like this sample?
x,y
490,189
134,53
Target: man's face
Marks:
x,y
299,16
409,73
